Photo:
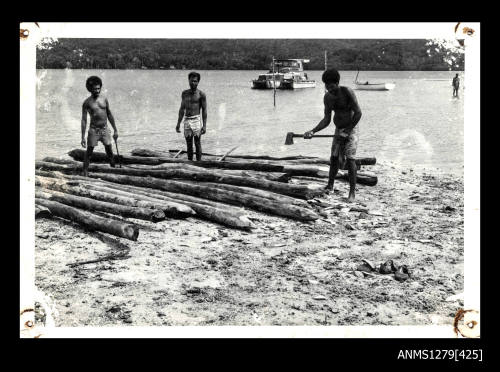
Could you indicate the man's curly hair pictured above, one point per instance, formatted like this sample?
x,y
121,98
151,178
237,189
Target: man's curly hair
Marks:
x,y
193,73
91,81
330,76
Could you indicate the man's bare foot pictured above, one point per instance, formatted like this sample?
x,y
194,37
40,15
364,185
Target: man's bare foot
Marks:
x,y
350,199
329,187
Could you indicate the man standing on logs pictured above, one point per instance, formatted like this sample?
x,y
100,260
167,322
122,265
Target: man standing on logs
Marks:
x,y
193,101
97,106
342,101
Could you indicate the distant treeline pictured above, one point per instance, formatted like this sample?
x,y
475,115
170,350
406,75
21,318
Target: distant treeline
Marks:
x,y
246,54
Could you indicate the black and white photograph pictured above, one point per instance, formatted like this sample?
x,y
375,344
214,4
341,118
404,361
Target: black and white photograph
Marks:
x,y
280,180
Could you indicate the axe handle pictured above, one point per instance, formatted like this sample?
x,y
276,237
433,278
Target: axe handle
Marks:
x,y
314,135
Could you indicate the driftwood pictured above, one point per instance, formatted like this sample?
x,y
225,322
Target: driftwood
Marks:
x,y
298,191
212,193
101,206
175,210
42,212
91,221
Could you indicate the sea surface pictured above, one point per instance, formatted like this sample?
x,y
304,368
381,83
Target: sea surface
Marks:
x,y
417,125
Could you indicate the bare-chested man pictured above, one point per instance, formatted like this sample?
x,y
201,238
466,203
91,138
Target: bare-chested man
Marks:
x,y
193,101
342,101
97,106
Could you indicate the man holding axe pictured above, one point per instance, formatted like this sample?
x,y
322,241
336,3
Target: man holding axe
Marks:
x,y
342,101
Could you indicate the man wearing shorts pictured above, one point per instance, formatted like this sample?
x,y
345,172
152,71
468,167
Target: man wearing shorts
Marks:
x,y
97,106
193,102
342,101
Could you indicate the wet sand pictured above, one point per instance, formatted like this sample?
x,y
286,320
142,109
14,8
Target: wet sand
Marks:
x,y
284,272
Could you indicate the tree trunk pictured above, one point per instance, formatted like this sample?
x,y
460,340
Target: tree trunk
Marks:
x,y
271,176
361,178
215,212
175,210
224,196
255,192
289,159
224,214
298,191
100,206
42,212
100,157
91,221
152,153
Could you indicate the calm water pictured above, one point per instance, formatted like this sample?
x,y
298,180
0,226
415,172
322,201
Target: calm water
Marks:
x,y
418,124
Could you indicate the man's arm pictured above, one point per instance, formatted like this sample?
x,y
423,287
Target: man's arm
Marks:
x,y
356,109
204,112
181,114
111,120
84,123
324,122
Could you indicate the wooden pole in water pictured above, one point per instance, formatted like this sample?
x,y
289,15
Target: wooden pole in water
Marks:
x,y
274,86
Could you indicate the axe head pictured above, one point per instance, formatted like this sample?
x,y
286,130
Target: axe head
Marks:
x,y
289,138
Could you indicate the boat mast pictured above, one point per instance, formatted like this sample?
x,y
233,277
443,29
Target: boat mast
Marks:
x,y
326,63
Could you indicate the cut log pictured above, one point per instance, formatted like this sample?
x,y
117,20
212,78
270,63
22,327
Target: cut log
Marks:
x,y
42,212
298,191
271,176
100,206
215,212
180,198
175,210
153,153
212,193
255,192
100,157
299,159
361,178
91,221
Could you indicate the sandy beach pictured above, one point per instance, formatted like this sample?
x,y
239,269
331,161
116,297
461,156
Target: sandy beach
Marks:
x,y
284,272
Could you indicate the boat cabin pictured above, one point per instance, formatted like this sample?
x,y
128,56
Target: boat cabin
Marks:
x,y
289,65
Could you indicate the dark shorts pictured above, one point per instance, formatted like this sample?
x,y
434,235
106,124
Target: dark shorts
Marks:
x,y
99,134
347,146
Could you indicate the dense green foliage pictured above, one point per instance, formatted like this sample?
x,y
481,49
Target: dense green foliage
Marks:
x,y
246,54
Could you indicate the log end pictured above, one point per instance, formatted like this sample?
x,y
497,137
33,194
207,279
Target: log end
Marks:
x,y
157,215
42,212
131,232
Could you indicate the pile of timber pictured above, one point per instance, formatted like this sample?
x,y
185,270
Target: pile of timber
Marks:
x,y
276,167
155,186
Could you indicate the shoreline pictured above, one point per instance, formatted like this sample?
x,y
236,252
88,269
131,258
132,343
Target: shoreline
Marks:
x,y
193,272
